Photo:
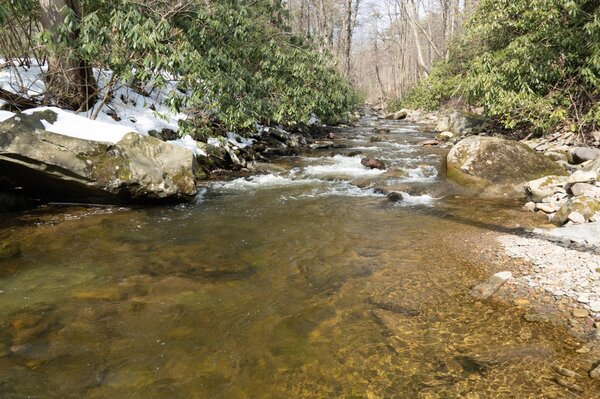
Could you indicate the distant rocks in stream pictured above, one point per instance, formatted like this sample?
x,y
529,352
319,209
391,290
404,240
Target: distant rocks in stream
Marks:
x,y
373,163
402,114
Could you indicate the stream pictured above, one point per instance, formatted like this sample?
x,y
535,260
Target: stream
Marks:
x,y
301,282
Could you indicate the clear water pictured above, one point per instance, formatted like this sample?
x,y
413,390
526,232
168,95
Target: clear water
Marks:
x,y
302,283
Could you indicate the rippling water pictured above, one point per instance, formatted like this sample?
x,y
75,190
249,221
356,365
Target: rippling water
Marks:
x,y
301,283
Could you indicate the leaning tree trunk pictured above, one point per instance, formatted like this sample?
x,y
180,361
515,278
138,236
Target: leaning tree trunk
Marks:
x,y
70,82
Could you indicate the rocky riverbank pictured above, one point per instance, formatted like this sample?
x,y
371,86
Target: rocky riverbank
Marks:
x,y
552,273
547,283
49,155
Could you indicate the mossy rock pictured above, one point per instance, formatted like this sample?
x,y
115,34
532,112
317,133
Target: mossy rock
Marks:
x,y
544,187
587,206
9,250
494,166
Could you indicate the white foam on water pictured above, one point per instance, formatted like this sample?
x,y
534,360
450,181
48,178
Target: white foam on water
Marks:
x,y
199,198
399,146
343,167
415,200
337,190
420,174
261,182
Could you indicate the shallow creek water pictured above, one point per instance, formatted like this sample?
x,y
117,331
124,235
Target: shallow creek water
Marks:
x,y
299,283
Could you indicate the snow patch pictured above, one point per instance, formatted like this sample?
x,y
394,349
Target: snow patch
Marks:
x,y
73,125
4,115
189,143
239,141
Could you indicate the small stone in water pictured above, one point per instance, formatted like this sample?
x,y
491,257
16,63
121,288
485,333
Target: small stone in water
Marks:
x,y
395,196
595,373
569,385
521,301
504,275
580,313
566,372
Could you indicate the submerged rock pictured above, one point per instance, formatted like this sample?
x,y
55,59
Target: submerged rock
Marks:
x,y
497,166
56,167
493,284
595,373
395,196
9,250
428,143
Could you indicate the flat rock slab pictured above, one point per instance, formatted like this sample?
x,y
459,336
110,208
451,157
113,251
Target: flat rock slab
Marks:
x,y
584,234
493,284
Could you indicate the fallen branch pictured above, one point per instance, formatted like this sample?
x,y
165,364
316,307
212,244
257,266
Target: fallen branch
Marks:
x,y
18,101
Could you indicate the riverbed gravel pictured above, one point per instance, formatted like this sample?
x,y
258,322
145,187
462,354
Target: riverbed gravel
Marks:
x,y
559,270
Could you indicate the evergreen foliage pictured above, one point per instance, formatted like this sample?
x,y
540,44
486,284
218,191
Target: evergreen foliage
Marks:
x,y
533,64
236,61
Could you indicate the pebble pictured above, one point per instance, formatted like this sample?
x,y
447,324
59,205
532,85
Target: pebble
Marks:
x,y
576,218
566,372
594,306
561,271
545,207
582,176
521,301
530,206
595,373
580,313
567,384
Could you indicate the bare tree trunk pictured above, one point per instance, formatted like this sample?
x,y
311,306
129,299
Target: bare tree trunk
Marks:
x,y
348,43
70,82
420,58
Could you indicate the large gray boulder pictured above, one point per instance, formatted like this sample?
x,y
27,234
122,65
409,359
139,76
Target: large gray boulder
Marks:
x,y
492,165
582,154
462,123
55,167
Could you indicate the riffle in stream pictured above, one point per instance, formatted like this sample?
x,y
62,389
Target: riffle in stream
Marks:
x,y
305,282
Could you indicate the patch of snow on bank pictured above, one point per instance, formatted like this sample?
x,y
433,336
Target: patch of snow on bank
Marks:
x,y
558,270
214,141
27,81
73,125
142,112
4,115
129,108
239,141
189,143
